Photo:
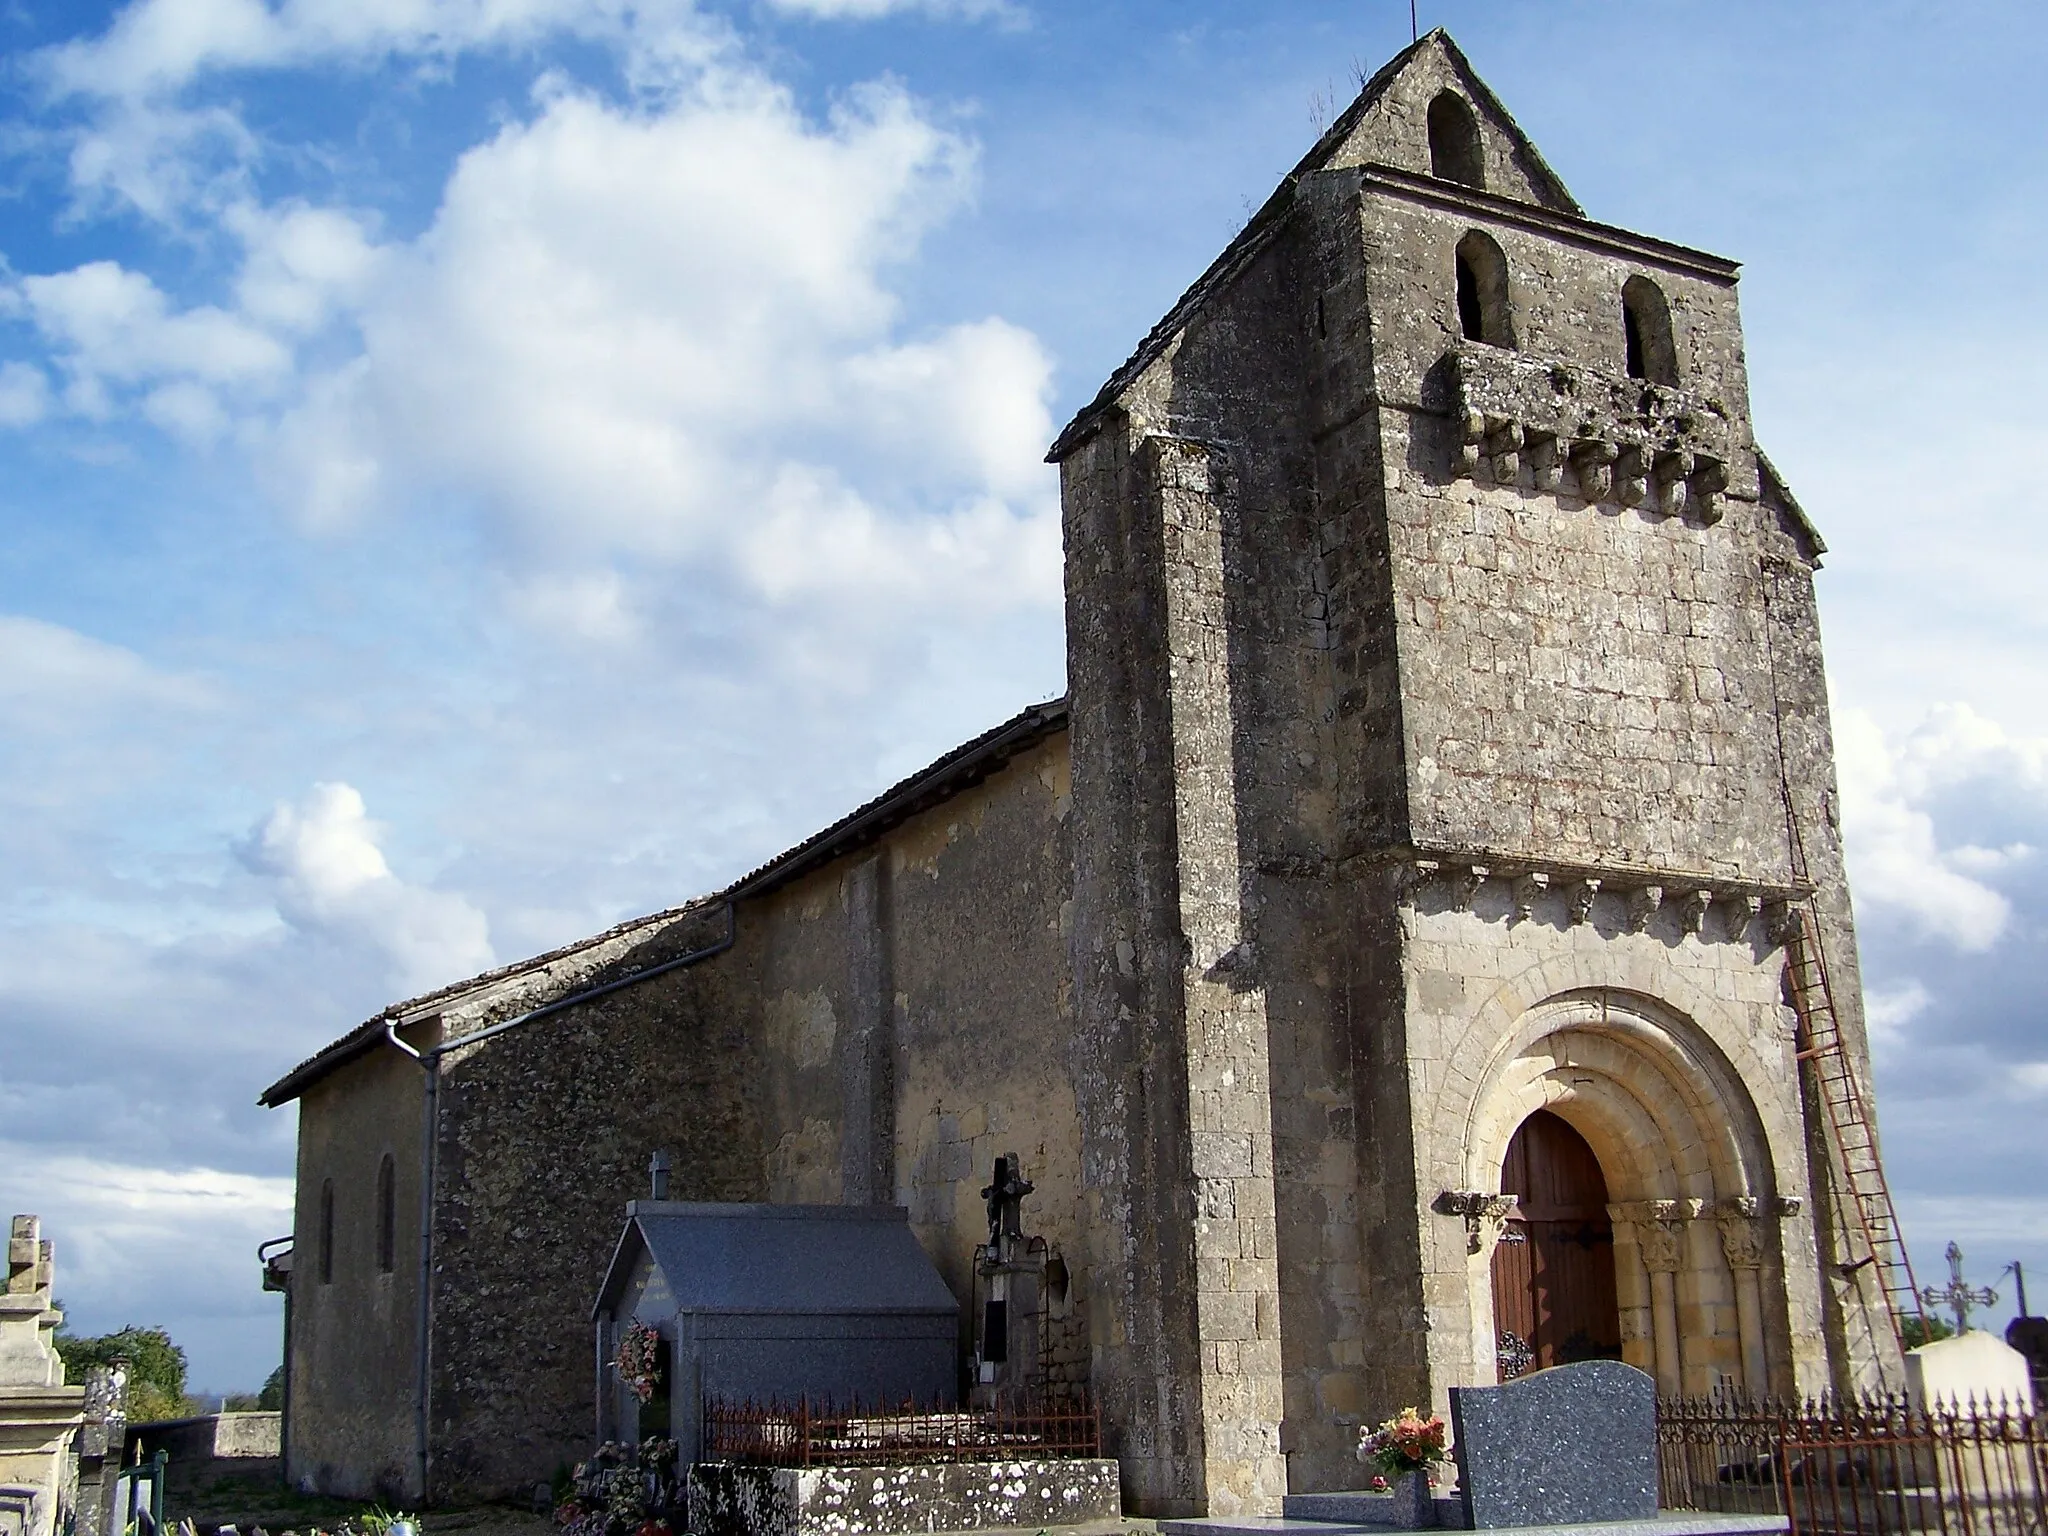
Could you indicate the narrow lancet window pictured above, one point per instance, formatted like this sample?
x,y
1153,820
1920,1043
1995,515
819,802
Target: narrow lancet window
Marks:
x,y
327,1231
1455,151
1482,276
1646,332
387,1215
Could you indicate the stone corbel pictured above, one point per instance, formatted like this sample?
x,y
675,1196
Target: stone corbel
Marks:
x,y
1781,921
1528,887
1709,480
1643,903
1409,876
1581,899
1465,880
1671,472
1593,462
1692,910
1473,433
1484,1214
1539,451
1786,1206
1740,912
1631,476
1503,449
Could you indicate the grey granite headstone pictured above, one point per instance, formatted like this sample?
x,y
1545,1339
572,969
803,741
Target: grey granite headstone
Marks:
x,y
1570,1444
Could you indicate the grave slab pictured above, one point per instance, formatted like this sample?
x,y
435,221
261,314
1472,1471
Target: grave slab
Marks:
x,y
1573,1445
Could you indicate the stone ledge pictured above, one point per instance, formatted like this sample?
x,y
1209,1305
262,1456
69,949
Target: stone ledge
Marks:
x,y
1456,877
732,1499
1617,440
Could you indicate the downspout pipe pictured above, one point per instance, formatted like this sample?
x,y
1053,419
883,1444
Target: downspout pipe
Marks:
x,y
430,1062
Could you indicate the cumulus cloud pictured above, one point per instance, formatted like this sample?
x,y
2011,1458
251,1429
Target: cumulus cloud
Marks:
x,y
156,47
331,879
1896,858
657,334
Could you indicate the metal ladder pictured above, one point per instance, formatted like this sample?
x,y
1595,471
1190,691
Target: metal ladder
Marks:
x,y
1869,1201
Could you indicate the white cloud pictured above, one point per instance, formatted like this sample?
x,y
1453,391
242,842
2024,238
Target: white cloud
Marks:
x,y
53,678
171,1247
1895,856
156,47
1888,1013
662,336
24,394
107,324
332,880
871,10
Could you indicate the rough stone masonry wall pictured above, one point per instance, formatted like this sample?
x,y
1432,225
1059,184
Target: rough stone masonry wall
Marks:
x,y
545,1134
912,1005
1199,674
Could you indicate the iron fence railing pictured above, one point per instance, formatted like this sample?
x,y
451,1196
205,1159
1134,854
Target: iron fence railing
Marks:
x,y
804,1434
1878,1466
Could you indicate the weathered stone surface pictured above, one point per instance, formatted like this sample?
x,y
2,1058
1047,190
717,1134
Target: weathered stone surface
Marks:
x,y
729,1499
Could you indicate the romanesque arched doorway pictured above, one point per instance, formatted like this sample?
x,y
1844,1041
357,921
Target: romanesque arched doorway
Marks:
x,y
1553,1267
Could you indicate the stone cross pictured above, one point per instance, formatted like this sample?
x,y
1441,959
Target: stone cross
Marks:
x,y
1959,1296
1005,1196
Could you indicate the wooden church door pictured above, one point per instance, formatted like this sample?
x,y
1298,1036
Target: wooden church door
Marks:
x,y
1553,1268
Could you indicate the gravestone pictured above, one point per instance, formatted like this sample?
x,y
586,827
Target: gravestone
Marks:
x,y
1974,1367
1571,1444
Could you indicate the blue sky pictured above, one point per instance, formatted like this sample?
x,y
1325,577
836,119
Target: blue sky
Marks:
x,y
474,470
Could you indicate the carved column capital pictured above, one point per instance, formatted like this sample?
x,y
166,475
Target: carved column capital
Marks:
x,y
1742,1232
1659,1242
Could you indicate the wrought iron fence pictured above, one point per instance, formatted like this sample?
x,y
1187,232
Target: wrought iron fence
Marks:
x,y
803,1434
1875,1467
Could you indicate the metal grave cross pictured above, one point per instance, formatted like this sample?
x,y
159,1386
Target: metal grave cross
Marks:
x,y
1958,1295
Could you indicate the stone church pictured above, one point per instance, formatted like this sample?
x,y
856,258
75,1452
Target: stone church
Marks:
x,y
1377,963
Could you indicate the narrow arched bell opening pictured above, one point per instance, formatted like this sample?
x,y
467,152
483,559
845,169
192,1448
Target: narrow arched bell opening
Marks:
x,y
1456,152
1484,313
1650,350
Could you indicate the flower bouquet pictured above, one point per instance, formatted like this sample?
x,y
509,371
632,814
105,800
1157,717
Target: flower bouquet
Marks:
x,y
1405,1450
1405,1443
638,1361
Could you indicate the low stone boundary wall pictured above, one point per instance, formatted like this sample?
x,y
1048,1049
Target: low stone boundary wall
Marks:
x,y
732,1499
209,1436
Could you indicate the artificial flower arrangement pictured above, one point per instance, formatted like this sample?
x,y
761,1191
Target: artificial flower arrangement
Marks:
x,y
638,1361
1405,1443
624,1490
